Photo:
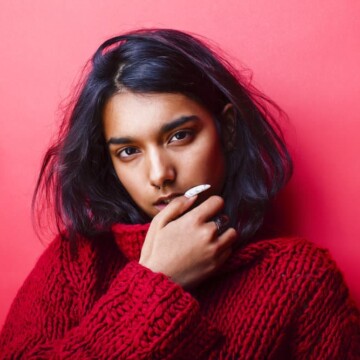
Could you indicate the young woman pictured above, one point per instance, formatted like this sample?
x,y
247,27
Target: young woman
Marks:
x,y
140,271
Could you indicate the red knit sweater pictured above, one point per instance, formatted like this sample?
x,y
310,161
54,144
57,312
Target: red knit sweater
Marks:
x,y
274,299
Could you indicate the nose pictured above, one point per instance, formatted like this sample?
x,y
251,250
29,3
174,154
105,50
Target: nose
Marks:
x,y
161,169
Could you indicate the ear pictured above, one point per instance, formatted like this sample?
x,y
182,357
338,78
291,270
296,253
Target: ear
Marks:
x,y
228,126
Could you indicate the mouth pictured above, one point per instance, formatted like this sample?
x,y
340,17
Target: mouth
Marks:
x,y
162,202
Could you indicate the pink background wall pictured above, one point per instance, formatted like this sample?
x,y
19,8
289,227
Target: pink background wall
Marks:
x,y
304,54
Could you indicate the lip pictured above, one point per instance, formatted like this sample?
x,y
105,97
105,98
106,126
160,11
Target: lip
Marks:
x,y
165,200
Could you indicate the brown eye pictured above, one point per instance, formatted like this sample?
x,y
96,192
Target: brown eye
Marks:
x,y
129,151
181,135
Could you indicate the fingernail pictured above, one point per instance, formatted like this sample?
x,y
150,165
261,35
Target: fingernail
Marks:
x,y
196,190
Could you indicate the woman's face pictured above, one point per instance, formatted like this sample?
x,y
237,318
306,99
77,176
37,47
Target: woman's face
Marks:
x,y
162,145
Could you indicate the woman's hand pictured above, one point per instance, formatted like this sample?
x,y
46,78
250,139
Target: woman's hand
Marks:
x,y
186,246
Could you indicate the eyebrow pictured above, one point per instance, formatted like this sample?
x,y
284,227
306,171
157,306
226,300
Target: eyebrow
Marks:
x,y
164,129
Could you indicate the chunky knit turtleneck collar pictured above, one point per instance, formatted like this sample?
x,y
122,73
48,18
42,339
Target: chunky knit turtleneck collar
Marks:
x,y
130,239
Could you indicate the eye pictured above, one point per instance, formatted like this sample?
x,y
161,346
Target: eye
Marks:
x,y
181,135
127,152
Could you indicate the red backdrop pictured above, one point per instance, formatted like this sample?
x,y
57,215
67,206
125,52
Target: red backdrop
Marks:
x,y
305,55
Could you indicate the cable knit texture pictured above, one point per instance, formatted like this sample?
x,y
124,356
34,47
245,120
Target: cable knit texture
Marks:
x,y
274,299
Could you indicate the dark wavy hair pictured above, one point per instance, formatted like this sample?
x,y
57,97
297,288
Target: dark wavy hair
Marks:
x,y
77,177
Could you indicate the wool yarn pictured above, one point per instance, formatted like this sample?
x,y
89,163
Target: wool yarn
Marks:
x,y
279,298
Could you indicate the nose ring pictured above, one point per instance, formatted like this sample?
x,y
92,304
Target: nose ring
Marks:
x,y
160,187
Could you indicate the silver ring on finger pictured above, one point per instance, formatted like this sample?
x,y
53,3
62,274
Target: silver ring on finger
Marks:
x,y
221,223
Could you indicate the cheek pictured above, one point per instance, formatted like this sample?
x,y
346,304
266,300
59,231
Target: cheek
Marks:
x,y
216,166
130,180
207,161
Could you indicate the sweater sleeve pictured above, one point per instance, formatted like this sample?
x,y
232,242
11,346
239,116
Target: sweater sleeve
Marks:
x,y
142,315
329,323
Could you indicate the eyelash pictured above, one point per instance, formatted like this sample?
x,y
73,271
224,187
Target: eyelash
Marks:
x,y
188,133
119,154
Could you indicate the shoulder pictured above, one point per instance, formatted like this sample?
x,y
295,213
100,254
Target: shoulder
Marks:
x,y
301,269
293,287
319,298
61,252
304,271
294,255
302,263
70,263
53,265
290,254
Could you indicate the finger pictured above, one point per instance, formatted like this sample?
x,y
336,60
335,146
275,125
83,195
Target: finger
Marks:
x,y
208,209
223,257
226,239
221,222
176,208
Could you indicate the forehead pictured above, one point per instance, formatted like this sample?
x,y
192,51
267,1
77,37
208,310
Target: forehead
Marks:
x,y
129,114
